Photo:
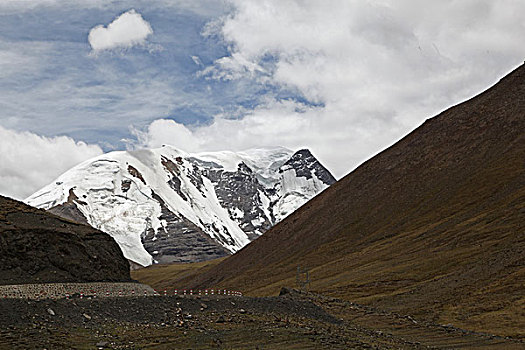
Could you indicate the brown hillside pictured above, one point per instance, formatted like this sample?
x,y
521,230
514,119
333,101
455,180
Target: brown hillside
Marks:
x,y
39,247
433,226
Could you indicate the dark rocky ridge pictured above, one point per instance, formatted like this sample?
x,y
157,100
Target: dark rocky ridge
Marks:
x,y
240,190
305,164
181,241
39,247
69,209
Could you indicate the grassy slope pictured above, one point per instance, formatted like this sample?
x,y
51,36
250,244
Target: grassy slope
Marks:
x,y
161,277
432,226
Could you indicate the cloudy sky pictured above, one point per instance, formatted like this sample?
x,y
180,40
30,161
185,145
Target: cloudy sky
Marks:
x,y
344,78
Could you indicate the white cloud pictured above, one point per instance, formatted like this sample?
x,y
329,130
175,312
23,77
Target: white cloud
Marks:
x,y
29,161
287,123
127,30
378,68
164,131
12,62
196,60
19,59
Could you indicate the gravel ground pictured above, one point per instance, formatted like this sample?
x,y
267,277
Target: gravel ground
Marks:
x,y
62,290
291,321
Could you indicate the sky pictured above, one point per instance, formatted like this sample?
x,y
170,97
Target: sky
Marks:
x,y
343,78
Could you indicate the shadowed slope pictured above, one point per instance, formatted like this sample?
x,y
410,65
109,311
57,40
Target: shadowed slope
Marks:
x,y
432,226
38,247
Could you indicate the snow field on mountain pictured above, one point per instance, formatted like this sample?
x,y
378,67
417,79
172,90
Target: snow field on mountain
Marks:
x,y
124,193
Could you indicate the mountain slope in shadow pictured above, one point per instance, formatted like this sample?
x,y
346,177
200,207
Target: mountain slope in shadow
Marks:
x,y
39,247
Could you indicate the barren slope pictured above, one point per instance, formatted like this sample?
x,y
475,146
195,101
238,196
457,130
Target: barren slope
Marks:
x,y
432,226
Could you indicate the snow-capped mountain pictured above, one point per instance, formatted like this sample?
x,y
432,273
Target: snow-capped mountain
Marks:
x,y
166,205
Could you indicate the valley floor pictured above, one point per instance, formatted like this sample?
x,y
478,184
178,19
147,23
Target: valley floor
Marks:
x,y
291,321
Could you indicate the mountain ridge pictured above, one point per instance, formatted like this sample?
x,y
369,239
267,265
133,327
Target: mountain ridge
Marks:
x,y
165,205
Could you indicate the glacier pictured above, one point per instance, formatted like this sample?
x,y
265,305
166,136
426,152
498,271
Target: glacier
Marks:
x,y
166,205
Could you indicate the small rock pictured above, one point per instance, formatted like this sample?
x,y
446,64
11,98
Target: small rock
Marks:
x,y
102,344
242,311
220,319
284,291
204,306
86,316
51,312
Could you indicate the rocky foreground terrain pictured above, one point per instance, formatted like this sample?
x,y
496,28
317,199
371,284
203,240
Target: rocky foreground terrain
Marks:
x,y
292,320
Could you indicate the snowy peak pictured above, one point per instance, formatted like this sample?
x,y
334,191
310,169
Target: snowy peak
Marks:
x,y
166,205
301,177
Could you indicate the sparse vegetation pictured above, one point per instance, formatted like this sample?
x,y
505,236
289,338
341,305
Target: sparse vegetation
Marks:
x,y
161,277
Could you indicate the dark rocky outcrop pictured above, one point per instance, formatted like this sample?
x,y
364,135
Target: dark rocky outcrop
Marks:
x,y
306,165
39,247
69,210
180,240
241,190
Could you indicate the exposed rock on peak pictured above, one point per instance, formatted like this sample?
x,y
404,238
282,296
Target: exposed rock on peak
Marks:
x,y
306,165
